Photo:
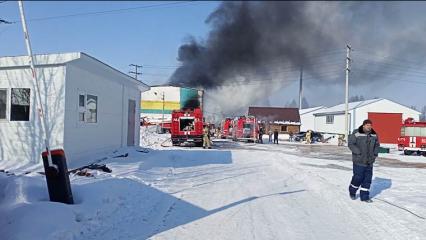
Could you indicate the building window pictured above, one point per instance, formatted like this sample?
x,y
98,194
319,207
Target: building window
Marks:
x,y
20,104
87,108
3,104
92,109
283,128
329,119
81,107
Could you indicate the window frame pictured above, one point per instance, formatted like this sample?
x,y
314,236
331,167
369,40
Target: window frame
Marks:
x,y
85,110
10,104
81,109
6,119
327,119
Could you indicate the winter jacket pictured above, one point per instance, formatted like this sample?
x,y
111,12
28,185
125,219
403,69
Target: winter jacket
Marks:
x,y
276,134
364,146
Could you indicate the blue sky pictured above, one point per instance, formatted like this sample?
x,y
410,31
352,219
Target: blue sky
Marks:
x,y
151,37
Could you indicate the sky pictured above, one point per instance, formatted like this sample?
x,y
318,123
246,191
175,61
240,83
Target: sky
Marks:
x,y
151,36
146,36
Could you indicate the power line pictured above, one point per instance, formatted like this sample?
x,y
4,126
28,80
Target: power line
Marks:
x,y
113,11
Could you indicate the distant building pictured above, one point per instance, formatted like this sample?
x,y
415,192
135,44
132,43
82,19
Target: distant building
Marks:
x,y
386,115
161,100
90,107
284,120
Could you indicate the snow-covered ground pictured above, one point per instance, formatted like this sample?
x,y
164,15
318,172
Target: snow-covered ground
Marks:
x,y
246,191
399,155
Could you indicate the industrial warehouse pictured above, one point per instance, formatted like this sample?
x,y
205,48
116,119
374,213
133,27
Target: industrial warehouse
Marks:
x,y
212,120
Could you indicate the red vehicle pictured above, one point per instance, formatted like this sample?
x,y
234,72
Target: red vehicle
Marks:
x,y
187,127
226,128
245,128
413,137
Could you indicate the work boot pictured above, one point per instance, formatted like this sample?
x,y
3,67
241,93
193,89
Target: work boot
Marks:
x,y
367,201
353,196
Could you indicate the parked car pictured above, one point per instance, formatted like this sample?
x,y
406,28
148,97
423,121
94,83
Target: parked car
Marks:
x,y
301,136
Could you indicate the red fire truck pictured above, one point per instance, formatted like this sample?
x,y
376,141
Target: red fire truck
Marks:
x,y
187,127
245,128
226,128
413,137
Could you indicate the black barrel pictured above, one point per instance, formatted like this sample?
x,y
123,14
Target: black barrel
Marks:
x,y
58,182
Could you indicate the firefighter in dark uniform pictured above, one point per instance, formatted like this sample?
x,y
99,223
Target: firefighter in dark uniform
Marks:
x,y
364,144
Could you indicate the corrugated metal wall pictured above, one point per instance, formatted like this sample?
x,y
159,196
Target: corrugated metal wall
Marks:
x,y
387,126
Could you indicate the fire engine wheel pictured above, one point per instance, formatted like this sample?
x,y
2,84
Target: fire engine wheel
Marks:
x,y
407,152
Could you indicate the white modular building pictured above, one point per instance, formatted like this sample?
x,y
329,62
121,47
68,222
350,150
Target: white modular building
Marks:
x,y
90,108
386,115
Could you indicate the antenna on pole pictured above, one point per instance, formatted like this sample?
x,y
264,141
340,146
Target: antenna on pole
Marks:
x,y
43,120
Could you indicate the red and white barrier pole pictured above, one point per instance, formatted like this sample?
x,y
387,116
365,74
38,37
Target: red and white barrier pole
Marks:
x,y
43,120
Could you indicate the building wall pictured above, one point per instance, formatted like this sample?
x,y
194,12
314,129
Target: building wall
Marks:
x,y
338,125
21,143
358,115
384,106
152,104
292,128
84,140
307,120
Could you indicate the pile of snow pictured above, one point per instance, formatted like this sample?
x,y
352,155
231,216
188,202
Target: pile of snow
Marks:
x,y
150,138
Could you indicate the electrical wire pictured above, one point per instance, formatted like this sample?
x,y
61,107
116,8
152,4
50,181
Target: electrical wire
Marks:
x,y
112,11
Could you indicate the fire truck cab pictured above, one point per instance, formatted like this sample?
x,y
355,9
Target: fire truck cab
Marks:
x,y
413,137
245,128
187,127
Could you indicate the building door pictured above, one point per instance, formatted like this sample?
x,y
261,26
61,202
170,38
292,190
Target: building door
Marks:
x,y
131,123
387,126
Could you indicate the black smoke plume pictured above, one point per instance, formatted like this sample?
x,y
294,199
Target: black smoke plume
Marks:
x,y
259,43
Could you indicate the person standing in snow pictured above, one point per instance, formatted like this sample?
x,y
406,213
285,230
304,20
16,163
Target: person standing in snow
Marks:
x,y
206,137
364,144
270,135
276,136
290,136
260,135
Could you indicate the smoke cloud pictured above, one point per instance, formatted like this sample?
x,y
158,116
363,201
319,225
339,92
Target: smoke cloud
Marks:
x,y
257,48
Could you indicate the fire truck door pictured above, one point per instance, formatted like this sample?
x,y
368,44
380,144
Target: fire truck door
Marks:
x,y
413,142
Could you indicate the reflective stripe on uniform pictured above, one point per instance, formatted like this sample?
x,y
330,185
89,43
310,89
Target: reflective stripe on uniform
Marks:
x,y
354,186
364,189
358,134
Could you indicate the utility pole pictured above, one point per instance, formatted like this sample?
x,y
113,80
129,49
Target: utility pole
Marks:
x,y
348,60
136,72
162,118
301,88
43,120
